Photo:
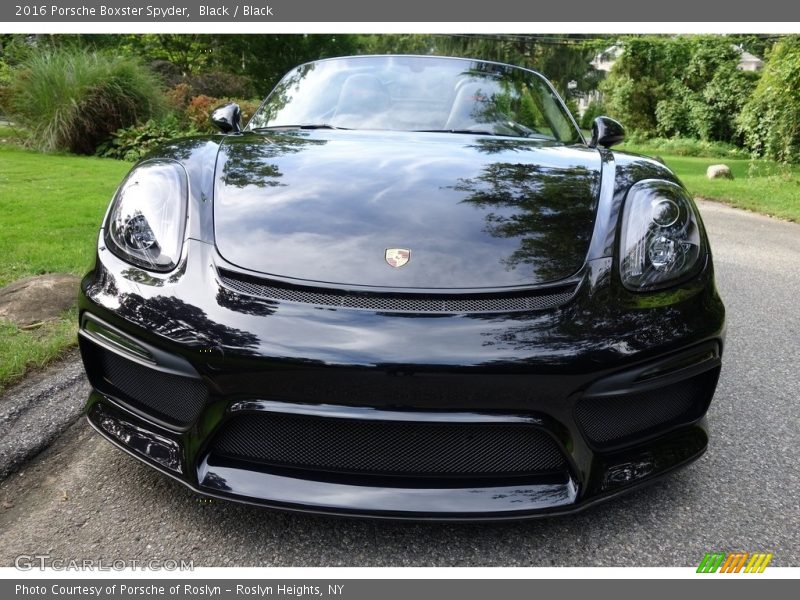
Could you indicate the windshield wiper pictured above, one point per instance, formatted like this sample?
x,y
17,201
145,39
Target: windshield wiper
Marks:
x,y
472,131
300,126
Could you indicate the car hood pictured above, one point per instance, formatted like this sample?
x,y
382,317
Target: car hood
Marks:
x,y
474,211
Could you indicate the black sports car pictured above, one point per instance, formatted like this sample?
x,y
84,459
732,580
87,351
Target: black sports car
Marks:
x,y
408,288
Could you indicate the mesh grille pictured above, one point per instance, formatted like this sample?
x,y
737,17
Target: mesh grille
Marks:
x,y
539,300
389,447
172,398
617,418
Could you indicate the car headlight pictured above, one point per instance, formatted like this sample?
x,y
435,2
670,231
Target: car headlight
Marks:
x,y
661,242
148,215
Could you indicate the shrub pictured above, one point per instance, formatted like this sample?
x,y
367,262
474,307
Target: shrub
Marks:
x,y
679,86
169,73
221,84
709,112
72,100
179,96
594,109
132,143
770,121
682,146
200,108
5,82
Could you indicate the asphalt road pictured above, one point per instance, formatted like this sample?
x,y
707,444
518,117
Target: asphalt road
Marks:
x,y
82,498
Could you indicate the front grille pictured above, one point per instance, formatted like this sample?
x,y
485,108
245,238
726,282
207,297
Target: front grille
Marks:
x,y
401,302
614,420
412,449
171,398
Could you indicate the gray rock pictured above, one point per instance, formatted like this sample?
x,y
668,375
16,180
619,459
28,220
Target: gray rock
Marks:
x,y
719,172
36,299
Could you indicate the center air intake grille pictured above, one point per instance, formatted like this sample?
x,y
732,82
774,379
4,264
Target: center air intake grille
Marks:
x,y
401,302
389,447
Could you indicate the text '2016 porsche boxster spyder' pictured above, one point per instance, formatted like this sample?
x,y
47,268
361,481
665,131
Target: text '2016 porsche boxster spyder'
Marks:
x,y
408,288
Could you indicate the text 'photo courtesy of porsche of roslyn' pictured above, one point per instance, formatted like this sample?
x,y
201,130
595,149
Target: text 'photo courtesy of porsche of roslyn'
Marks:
x,y
409,287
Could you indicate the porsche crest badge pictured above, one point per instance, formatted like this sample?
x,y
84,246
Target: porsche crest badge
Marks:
x,y
397,257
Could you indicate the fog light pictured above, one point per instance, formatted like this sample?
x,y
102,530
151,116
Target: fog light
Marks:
x,y
159,449
628,472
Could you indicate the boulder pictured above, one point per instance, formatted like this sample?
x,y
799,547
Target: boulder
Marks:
x,y
719,172
37,299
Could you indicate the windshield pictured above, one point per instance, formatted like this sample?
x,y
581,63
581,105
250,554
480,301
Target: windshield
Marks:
x,y
418,93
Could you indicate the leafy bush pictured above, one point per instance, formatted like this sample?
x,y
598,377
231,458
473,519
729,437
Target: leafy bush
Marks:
x,y
705,102
132,143
594,109
640,77
200,108
72,100
679,86
221,84
169,73
678,146
770,121
5,82
179,96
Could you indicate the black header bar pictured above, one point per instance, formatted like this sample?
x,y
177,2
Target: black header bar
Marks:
x,y
405,11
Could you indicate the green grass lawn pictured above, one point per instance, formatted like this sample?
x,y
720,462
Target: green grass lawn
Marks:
x,y
50,210
760,186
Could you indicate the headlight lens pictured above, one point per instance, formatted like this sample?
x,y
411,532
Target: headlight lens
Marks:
x,y
147,218
661,241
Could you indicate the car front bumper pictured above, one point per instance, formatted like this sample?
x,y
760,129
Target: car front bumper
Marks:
x,y
399,415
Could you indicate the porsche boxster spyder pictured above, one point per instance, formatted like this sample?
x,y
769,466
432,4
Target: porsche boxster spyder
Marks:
x,y
408,288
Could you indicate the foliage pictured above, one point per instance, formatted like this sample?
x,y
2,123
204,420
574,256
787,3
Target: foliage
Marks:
x,y
5,82
179,96
594,109
72,100
169,73
770,121
640,78
679,86
221,84
712,91
677,146
132,143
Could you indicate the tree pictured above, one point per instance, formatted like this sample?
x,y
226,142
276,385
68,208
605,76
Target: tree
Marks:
x,y
770,121
705,98
640,79
679,86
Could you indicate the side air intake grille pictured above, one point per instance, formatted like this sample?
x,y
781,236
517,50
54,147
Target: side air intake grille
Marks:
x,y
400,302
613,420
171,398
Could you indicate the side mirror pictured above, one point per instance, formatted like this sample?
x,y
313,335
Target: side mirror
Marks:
x,y
227,118
606,132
